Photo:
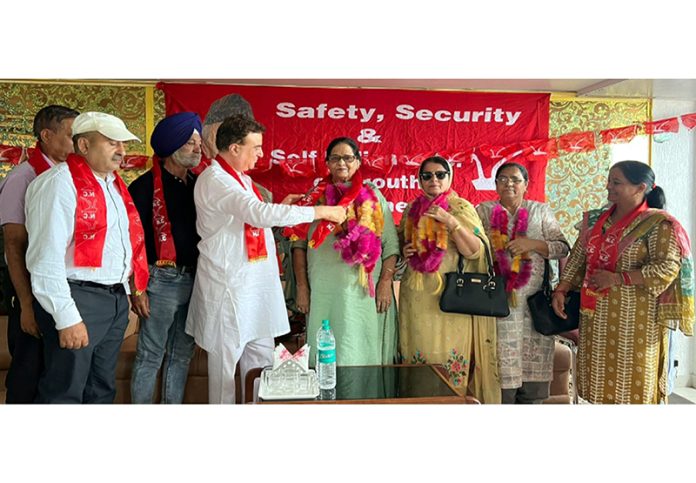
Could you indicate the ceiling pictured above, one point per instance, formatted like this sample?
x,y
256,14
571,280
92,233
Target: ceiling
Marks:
x,y
663,89
677,89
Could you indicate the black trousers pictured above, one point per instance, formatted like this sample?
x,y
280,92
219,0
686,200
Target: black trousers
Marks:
x,y
87,375
26,351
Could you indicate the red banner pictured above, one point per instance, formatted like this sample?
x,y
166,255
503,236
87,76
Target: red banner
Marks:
x,y
689,121
663,126
577,142
395,129
12,154
619,135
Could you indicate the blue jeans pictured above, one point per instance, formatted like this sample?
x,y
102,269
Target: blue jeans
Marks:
x,y
163,332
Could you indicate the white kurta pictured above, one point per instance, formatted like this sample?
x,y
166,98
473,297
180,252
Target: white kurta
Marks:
x,y
235,301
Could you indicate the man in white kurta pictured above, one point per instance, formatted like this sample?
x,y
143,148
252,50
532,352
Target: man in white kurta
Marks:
x,y
237,306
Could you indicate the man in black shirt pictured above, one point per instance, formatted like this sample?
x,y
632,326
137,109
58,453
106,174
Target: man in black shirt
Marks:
x,y
164,199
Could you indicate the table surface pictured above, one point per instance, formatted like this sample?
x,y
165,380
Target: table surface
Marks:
x,y
393,384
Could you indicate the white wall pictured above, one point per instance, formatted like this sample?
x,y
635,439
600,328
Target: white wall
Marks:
x,y
674,164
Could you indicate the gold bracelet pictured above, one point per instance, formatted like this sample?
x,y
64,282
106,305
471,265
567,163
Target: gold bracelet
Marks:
x,y
457,227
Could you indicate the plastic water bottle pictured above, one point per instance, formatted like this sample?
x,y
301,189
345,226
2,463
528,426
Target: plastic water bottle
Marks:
x,y
326,356
327,394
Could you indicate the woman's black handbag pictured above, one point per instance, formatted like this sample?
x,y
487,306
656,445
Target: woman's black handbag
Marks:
x,y
545,320
475,293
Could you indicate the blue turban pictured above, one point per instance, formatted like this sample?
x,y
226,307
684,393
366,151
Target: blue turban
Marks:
x,y
174,131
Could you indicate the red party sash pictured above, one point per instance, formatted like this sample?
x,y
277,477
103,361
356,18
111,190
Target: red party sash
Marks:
x,y
603,252
37,160
164,241
324,227
255,238
90,221
300,232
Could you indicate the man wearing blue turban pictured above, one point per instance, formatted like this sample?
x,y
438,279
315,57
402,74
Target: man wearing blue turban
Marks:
x,y
164,199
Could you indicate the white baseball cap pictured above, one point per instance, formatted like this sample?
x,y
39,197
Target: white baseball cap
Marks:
x,y
106,124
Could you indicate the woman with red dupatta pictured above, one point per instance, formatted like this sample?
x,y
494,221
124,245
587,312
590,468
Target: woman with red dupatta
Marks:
x,y
632,265
344,273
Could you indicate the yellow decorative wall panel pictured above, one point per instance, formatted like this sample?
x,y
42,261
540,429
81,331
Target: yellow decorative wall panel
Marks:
x,y
19,102
576,182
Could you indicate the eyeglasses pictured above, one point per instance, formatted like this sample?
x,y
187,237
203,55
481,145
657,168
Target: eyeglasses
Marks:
x,y
335,158
427,175
506,180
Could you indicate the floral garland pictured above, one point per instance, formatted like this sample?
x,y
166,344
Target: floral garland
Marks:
x,y
359,241
516,270
427,235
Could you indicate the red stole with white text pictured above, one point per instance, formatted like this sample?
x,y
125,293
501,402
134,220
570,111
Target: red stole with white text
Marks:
x,y
90,221
37,160
164,241
254,238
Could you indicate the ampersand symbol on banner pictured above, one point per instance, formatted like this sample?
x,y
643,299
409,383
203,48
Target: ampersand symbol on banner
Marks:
x,y
369,136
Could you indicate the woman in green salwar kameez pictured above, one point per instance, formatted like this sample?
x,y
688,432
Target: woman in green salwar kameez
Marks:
x,y
345,274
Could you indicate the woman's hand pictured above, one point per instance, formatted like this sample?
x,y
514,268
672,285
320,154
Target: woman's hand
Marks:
x,y
409,250
518,246
302,299
558,304
604,279
442,216
383,295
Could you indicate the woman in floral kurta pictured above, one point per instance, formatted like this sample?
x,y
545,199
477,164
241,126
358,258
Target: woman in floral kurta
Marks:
x,y
525,357
627,309
464,344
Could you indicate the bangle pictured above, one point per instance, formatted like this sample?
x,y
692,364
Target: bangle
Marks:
x,y
626,279
456,227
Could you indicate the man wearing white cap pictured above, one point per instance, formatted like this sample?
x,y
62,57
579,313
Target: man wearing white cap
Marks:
x,y
85,240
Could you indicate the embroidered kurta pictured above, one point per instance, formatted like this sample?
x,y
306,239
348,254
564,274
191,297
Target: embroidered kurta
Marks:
x,y
524,355
235,301
363,336
622,357
462,343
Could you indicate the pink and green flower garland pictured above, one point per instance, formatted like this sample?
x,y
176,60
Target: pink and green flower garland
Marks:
x,y
359,242
516,270
429,238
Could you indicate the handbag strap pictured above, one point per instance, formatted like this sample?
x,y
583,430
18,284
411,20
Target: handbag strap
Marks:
x,y
546,281
489,259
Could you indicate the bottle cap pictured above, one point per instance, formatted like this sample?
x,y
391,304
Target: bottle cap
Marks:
x,y
325,324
